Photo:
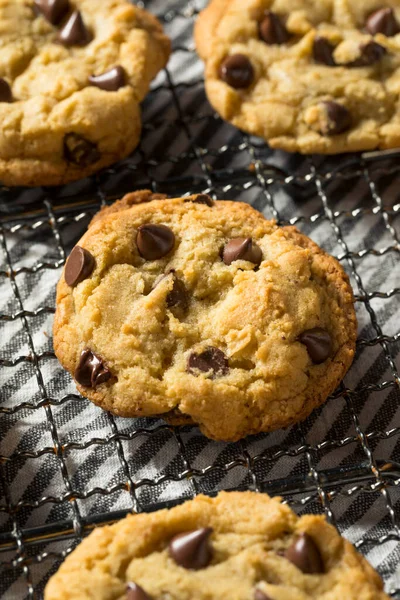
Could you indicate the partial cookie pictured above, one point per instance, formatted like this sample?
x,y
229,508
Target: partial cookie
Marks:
x,y
72,76
310,76
202,310
239,546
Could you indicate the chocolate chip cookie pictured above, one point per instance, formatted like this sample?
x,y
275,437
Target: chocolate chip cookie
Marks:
x,y
203,311
239,546
72,75
308,76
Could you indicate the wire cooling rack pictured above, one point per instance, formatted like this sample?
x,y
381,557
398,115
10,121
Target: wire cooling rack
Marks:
x,y
66,466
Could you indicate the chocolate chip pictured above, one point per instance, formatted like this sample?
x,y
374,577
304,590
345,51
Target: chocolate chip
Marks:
x,y
91,370
383,21
79,266
154,241
305,555
242,249
110,80
318,343
210,360
370,54
79,151
272,30
323,52
237,71
5,91
192,550
259,595
74,31
135,592
178,296
338,118
201,199
52,10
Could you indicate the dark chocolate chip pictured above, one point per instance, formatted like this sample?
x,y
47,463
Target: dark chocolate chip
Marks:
x,y
91,370
154,241
201,199
74,32
318,343
79,266
52,10
210,360
177,297
237,71
383,21
135,592
338,118
242,249
272,30
259,595
323,52
370,54
192,550
110,80
79,151
305,555
5,91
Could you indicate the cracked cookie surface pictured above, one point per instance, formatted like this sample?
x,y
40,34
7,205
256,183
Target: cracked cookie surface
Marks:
x,y
203,310
315,76
71,81
239,545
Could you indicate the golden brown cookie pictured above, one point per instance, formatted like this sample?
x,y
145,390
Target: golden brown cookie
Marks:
x,y
202,310
72,75
310,76
237,546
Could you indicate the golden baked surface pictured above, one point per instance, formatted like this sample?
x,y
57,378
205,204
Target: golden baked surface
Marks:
x,y
252,553
56,125
240,337
299,57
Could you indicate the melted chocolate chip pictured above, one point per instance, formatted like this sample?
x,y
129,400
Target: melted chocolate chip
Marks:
x,y
91,370
79,266
237,71
110,80
201,199
211,360
272,30
154,241
79,151
383,21
192,550
177,297
242,249
74,31
5,91
259,595
318,343
52,10
371,53
135,592
323,52
338,118
305,555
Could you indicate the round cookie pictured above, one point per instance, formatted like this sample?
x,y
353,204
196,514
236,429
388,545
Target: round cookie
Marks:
x,y
72,75
239,546
203,311
309,76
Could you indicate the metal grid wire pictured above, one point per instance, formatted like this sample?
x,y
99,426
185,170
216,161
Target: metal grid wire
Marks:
x,y
340,461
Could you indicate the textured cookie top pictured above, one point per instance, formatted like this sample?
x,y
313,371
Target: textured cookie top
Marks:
x,y
71,77
308,76
205,307
239,546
